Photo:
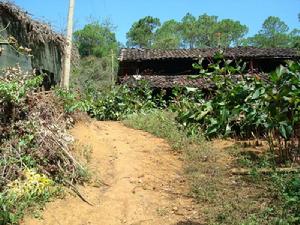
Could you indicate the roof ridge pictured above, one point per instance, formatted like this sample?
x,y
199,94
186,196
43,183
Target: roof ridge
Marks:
x,y
133,54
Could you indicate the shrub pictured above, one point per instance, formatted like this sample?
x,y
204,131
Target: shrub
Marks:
x,y
92,75
113,104
249,106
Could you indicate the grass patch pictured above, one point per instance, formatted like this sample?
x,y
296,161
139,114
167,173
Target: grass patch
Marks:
x,y
162,124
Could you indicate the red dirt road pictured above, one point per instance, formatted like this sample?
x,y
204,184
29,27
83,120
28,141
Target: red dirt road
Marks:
x,y
140,182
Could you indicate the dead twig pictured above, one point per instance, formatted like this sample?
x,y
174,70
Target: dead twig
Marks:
x,y
78,193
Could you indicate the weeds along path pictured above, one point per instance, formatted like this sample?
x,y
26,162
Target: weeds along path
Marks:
x,y
140,182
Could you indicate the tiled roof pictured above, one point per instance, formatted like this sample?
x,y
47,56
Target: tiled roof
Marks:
x,y
161,81
134,54
166,81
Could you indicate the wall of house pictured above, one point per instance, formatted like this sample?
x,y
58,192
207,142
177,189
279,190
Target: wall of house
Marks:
x,y
48,59
267,65
9,56
158,67
185,66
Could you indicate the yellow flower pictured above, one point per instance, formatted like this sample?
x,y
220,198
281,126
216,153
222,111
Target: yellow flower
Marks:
x,y
33,184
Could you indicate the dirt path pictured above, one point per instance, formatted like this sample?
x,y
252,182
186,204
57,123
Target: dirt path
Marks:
x,y
141,182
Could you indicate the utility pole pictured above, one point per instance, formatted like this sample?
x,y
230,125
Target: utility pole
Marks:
x,y
68,48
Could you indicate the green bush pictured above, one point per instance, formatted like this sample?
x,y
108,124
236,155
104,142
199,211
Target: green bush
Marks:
x,y
92,75
291,199
113,104
249,106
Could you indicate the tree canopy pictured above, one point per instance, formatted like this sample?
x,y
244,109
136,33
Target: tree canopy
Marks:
x,y
167,36
190,32
230,32
274,33
189,29
141,34
96,39
207,31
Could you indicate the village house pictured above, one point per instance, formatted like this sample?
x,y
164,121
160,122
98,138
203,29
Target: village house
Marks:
x,y
169,68
29,43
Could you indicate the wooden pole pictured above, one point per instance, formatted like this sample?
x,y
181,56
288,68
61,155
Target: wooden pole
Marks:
x,y
112,67
68,48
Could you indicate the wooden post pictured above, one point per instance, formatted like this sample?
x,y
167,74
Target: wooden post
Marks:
x,y
219,39
112,67
68,49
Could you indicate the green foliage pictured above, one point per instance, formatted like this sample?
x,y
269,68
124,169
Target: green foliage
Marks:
x,y
285,188
191,32
96,39
207,36
271,199
291,195
115,103
73,102
295,38
141,33
274,33
93,74
162,124
247,106
207,31
14,91
230,33
167,36
279,193
35,189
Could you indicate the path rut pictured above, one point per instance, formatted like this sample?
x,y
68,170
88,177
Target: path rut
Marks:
x,y
141,182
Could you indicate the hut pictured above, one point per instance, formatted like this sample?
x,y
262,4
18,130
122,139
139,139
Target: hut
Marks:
x,y
29,43
169,68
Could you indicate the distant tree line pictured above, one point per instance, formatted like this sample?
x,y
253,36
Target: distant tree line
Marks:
x,y
208,31
191,32
99,39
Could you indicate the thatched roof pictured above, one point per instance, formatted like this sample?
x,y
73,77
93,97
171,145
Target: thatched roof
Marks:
x,y
35,32
46,46
133,54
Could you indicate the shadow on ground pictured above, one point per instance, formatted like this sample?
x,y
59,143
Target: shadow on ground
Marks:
x,y
188,223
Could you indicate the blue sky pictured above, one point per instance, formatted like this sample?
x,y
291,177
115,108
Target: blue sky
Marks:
x,y
124,12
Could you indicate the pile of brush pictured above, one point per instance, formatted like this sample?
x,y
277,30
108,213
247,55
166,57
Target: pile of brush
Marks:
x,y
33,131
